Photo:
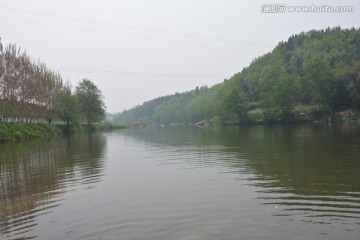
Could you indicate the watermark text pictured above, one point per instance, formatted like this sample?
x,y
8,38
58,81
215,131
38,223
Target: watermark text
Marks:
x,y
283,8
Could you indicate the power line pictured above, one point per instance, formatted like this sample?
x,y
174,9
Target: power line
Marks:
x,y
142,74
42,14
124,35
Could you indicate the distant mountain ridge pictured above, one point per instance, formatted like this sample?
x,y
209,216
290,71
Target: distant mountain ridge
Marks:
x,y
312,74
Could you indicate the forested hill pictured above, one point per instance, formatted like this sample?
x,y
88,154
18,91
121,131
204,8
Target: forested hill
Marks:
x,y
311,75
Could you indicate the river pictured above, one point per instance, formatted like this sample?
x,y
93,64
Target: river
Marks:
x,y
184,183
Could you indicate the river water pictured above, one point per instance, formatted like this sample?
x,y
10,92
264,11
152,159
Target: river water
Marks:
x,y
280,182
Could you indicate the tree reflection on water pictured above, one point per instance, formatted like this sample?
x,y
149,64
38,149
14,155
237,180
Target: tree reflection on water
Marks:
x,y
35,174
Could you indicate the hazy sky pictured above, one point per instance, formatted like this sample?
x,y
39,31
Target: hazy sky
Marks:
x,y
137,50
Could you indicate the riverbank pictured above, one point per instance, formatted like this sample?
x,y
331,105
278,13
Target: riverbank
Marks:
x,y
18,131
300,115
23,131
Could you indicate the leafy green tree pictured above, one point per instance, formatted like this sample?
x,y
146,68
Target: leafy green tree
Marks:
x,y
285,90
197,110
330,92
351,76
91,102
279,100
233,103
69,109
354,85
278,91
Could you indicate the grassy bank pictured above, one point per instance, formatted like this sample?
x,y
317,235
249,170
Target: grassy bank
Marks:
x,y
108,126
21,131
17,131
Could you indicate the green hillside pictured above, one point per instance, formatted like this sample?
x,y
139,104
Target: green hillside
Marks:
x,y
313,75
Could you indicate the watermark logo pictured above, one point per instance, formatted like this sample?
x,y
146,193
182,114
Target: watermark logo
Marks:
x,y
273,8
283,8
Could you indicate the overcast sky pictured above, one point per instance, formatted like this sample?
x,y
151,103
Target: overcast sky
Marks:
x,y
137,50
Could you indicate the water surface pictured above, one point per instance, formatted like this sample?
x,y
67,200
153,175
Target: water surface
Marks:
x,y
282,182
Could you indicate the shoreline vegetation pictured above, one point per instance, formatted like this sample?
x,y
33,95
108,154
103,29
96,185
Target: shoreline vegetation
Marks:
x,y
27,131
14,131
301,115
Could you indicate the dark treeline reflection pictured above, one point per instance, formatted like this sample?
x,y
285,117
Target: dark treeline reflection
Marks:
x,y
307,168
34,174
310,159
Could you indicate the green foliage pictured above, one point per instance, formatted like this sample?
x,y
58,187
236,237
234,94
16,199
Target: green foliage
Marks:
x,y
320,69
185,108
216,121
16,131
233,104
108,126
351,76
91,102
69,110
278,90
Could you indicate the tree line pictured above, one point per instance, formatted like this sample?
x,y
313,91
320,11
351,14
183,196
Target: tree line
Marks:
x,y
315,68
313,74
29,90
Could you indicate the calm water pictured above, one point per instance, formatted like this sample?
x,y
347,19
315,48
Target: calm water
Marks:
x,y
283,182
